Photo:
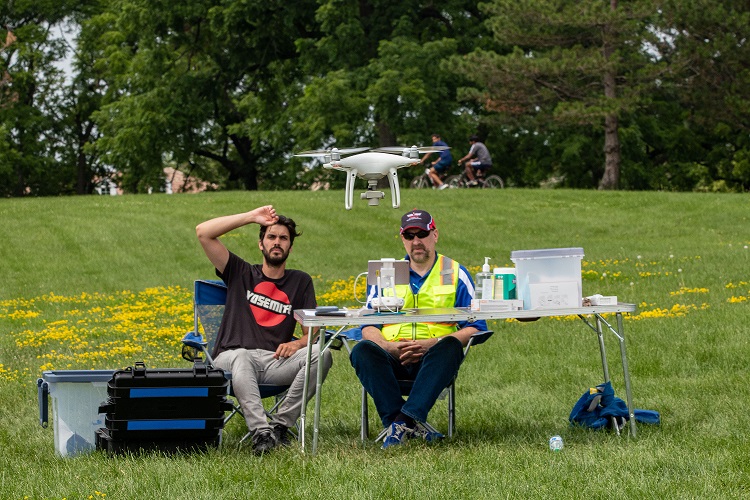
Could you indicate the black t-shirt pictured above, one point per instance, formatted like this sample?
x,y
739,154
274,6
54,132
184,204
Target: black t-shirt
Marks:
x,y
259,310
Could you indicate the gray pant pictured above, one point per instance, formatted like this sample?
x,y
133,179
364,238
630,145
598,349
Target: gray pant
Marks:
x,y
251,367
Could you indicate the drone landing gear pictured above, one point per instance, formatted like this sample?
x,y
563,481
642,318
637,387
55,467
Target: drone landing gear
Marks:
x,y
372,196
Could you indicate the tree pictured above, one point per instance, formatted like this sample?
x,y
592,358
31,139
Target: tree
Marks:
x,y
378,74
706,45
576,65
199,83
37,156
29,98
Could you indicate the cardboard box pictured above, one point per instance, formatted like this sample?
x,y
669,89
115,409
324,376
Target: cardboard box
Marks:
x,y
496,305
603,300
548,266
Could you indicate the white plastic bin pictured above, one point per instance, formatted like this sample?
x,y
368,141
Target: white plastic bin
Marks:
x,y
559,266
76,396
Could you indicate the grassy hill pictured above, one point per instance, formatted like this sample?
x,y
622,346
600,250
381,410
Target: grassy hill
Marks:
x,y
102,282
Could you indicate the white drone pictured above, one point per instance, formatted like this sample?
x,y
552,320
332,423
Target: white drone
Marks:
x,y
372,165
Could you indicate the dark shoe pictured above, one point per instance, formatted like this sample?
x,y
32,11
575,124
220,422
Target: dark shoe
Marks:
x,y
398,433
281,434
263,442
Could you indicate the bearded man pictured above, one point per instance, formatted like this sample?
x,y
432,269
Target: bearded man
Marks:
x,y
255,340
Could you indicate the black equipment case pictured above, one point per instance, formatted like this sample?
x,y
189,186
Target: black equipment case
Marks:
x,y
167,409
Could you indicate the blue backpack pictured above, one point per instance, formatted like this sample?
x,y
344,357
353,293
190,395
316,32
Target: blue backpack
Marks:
x,y
600,408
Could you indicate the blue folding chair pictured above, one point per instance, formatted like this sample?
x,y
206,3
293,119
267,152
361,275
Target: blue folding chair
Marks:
x,y
209,299
355,335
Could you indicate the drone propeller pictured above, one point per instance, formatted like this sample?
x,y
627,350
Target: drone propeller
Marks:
x,y
332,153
420,149
411,152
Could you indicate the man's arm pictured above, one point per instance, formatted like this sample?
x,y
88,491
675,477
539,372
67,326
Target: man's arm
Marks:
x,y
209,232
374,334
468,156
288,348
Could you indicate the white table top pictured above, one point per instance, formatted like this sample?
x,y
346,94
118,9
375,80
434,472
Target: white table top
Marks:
x,y
308,318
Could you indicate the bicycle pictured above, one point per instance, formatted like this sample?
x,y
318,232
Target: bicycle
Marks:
x,y
423,181
489,182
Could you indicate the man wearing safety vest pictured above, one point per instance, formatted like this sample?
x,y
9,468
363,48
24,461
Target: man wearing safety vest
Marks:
x,y
427,353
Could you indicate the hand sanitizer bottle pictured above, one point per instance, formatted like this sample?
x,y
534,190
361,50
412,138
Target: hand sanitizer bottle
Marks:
x,y
484,282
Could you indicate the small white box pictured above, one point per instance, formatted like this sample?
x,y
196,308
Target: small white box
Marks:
x,y
76,396
554,295
603,300
496,305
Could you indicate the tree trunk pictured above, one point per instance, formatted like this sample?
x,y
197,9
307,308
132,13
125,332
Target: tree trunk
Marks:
x,y
611,177
245,169
386,137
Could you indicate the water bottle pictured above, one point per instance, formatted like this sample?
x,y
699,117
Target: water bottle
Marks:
x,y
555,443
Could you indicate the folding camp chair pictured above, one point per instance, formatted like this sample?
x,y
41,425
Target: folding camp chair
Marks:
x,y
209,298
355,334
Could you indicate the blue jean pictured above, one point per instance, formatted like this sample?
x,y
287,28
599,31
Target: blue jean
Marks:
x,y
379,373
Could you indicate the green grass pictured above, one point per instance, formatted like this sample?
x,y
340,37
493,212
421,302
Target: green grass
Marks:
x,y
67,263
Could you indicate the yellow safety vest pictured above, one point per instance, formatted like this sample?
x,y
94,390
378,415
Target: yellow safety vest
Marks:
x,y
438,290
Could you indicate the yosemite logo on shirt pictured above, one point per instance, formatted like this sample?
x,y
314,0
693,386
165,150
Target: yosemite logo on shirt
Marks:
x,y
269,305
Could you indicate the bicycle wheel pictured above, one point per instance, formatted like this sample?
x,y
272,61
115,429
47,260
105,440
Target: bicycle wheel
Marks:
x,y
454,181
494,181
420,182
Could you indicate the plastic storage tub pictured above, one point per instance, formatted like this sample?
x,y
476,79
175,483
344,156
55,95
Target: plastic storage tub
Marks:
x,y
76,396
548,278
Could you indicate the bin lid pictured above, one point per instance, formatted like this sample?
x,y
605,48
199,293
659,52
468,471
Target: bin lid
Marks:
x,y
60,376
546,253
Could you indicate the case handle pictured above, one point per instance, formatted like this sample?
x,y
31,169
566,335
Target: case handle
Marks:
x,y
200,367
42,388
139,370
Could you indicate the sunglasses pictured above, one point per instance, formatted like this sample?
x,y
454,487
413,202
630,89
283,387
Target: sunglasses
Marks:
x,y
421,234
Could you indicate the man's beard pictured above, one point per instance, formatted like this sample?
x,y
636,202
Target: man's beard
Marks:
x,y
421,258
274,260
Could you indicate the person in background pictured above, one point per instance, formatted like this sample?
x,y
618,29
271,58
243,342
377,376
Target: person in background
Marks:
x,y
440,166
477,160
427,353
255,340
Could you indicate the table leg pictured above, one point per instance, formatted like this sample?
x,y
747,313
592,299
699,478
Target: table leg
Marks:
x,y
305,386
620,334
600,334
626,373
318,385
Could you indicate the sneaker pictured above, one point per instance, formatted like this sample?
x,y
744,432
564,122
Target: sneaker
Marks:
x,y
472,183
443,186
263,442
281,434
426,434
398,433
427,171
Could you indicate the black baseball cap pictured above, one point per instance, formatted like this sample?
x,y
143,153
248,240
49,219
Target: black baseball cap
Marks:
x,y
418,219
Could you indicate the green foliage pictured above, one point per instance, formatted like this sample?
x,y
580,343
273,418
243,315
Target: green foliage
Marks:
x,y
635,94
573,64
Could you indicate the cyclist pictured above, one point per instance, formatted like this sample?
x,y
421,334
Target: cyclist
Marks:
x,y
477,160
440,166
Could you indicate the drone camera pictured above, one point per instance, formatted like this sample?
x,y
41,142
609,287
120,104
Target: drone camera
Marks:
x,y
373,197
